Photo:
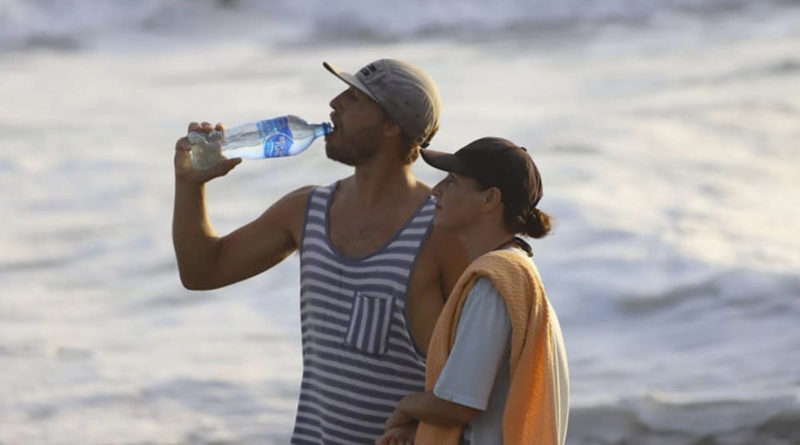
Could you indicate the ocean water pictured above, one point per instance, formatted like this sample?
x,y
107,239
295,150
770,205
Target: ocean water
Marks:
x,y
666,132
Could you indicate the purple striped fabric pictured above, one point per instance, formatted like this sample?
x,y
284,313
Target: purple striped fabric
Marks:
x,y
359,358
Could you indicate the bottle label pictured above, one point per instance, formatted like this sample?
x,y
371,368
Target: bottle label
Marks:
x,y
277,136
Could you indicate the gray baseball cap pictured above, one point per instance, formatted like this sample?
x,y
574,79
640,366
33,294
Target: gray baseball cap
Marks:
x,y
406,93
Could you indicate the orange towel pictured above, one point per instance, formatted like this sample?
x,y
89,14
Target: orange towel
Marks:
x,y
530,412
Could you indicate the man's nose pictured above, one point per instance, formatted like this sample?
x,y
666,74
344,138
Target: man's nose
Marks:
x,y
336,102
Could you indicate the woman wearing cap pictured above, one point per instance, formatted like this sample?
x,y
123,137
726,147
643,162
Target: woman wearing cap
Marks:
x,y
496,368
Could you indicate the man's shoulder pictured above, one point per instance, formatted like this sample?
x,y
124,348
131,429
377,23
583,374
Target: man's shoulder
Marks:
x,y
290,209
297,198
444,251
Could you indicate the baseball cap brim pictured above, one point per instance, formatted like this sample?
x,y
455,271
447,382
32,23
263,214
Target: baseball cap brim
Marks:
x,y
349,79
445,161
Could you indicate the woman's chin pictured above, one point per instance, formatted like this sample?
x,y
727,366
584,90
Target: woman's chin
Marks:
x,y
441,223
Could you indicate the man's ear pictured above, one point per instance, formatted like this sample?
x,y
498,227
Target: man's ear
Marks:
x,y
492,198
390,128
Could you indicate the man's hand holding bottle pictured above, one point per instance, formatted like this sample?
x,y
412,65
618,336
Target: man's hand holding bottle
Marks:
x,y
184,171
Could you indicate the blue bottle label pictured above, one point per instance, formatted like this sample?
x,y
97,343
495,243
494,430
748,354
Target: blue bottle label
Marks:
x,y
277,135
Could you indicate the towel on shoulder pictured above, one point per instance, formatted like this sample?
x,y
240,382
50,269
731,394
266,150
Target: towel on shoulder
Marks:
x,y
534,411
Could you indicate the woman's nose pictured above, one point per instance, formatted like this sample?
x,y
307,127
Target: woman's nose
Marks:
x,y
437,189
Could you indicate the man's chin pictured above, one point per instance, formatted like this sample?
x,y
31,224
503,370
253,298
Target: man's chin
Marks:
x,y
333,155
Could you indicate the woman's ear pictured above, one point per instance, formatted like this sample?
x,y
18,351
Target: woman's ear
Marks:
x,y
492,198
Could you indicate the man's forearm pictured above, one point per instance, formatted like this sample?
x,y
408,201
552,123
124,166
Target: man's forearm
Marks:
x,y
192,234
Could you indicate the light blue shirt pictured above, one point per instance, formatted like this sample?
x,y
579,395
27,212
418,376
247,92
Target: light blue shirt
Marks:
x,y
477,371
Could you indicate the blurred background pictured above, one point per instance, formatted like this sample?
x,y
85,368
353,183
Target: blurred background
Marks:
x,y
666,132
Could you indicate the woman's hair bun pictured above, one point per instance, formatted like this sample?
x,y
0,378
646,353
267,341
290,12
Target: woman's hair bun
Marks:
x,y
537,224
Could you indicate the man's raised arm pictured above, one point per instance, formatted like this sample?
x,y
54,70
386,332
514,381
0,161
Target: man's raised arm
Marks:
x,y
207,261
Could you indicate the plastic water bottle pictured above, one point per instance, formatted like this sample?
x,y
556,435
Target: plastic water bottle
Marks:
x,y
271,138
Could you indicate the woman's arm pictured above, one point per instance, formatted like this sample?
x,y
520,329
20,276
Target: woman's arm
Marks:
x,y
426,407
468,377
399,435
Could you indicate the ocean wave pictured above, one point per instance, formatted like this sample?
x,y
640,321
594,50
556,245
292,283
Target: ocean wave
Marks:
x,y
734,288
69,24
688,419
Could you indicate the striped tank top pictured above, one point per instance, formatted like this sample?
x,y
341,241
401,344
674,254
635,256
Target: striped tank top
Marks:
x,y
359,358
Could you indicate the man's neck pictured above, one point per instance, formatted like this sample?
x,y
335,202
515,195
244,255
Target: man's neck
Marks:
x,y
376,183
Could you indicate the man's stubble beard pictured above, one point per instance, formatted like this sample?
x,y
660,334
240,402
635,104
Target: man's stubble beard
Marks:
x,y
364,151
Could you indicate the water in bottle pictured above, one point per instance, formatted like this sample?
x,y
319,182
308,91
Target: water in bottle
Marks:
x,y
271,138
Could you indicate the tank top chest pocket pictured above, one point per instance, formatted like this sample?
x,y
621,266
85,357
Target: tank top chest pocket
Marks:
x,y
370,322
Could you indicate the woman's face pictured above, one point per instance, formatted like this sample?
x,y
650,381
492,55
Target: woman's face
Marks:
x,y
458,201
